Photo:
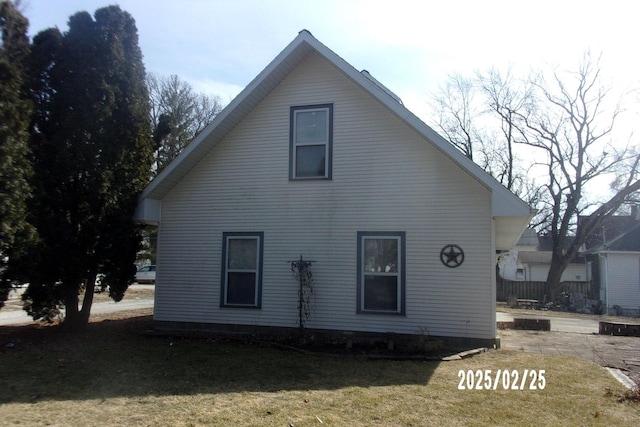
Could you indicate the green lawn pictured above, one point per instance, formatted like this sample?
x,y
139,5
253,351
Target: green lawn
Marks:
x,y
112,374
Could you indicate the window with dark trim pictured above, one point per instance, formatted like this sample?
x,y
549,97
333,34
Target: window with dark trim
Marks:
x,y
381,272
311,142
242,270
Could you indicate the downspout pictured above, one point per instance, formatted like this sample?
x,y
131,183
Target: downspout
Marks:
x,y
494,286
586,269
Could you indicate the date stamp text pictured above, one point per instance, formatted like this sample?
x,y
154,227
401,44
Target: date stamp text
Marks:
x,y
507,379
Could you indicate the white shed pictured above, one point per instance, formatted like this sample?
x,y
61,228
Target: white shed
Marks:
x,y
620,282
319,160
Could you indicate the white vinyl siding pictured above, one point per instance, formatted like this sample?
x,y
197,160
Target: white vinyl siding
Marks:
x,y
622,270
385,177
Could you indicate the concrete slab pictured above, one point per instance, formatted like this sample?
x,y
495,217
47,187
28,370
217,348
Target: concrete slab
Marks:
x,y
558,324
608,351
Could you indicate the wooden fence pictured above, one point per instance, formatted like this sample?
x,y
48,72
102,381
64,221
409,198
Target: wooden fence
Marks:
x,y
535,290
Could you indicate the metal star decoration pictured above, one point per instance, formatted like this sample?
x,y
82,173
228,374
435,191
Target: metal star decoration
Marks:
x,y
452,256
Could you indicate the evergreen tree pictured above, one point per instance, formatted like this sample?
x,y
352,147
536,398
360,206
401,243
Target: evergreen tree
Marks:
x,y
15,111
92,147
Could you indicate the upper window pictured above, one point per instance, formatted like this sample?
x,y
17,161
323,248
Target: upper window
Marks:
x,y
311,142
242,270
381,281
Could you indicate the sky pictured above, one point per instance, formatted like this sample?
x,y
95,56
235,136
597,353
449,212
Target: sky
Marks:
x,y
219,46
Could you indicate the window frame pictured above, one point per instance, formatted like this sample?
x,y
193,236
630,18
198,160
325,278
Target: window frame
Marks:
x,y
224,281
400,237
293,144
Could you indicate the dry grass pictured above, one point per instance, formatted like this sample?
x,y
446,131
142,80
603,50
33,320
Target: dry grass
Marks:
x,y
111,374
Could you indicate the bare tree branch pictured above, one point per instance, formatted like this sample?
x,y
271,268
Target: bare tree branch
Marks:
x,y
178,114
568,119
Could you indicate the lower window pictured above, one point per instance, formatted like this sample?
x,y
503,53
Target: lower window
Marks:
x,y
242,270
381,281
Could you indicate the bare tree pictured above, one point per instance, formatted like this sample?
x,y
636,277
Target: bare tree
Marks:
x,y
178,114
565,124
456,115
475,115
506,97
572,121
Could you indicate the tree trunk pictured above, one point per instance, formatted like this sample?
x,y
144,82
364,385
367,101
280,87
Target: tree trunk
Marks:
x,y
559,264
87,301
75,318
71,309
553,283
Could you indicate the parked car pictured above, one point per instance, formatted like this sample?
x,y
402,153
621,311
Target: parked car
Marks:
x,y
97,286
146,274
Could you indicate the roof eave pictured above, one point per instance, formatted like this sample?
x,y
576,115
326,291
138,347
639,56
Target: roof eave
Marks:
x,y
230,116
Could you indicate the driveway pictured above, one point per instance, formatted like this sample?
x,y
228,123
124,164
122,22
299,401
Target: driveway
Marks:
x,y
20,316
572,336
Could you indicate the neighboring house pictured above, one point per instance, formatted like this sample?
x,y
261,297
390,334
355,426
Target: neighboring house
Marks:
x,y
614,250
534,267
508,267
530,260
318,160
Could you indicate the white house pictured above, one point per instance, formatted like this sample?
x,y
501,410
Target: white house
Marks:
x,y
620,282
615,251
527,261
318,160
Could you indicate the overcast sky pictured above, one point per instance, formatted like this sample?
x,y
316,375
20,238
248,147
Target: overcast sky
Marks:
x,y
219,46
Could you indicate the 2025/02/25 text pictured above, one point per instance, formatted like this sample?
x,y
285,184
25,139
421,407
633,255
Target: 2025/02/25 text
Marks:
x,y
508,379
